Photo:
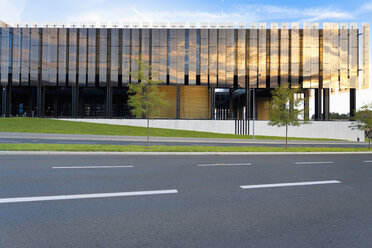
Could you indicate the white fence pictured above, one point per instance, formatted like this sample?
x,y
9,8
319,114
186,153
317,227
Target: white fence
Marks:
x,y
317,129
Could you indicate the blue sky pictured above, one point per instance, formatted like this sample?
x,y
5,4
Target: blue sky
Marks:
x,y
98,11
42,11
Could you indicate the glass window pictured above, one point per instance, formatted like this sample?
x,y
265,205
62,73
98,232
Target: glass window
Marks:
x,y
52,53
5,55
126,56
83,50
34,57
102,57
91,56
72,56
16,63
62,58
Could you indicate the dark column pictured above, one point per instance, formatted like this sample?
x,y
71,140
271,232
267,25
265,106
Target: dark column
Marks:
x,y
247,107
352,103
40,101
306,104
3,102
326,104
232,110
74,101
178,102
108,109
318,104
56,101
213,99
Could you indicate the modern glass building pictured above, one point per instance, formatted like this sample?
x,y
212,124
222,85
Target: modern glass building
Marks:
x,y
207,72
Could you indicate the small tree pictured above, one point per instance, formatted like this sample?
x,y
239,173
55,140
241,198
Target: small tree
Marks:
x,y
145,98
285,109
363,118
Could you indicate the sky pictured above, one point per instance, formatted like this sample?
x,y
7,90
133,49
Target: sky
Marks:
x,y
216,11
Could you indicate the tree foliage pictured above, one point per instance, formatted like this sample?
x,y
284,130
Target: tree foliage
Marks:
x,y
285,109
363,118
145,98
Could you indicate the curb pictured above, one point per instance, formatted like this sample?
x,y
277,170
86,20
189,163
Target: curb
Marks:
x,y
56,153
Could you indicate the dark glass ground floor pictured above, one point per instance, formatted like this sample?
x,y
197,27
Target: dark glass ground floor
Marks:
x,y
186,102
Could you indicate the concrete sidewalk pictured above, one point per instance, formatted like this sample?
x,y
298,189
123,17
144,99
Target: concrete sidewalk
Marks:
x,y
49,136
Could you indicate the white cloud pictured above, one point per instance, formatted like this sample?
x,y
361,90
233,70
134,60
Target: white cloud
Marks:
x,y
11,10
367,6
239,13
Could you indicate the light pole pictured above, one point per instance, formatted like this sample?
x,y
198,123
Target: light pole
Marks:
x,y
254,106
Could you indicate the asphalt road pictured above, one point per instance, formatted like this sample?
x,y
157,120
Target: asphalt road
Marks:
x,y
186,201
174,141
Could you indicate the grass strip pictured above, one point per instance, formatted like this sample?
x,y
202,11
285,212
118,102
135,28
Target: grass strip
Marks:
x,y
41,125
138,148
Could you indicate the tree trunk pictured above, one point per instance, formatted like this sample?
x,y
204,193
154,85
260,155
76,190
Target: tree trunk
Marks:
x,y
286,137
148,132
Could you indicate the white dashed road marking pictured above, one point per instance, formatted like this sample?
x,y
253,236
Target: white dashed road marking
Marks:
x,y
258,186
92,167
328,162
85,196
222,164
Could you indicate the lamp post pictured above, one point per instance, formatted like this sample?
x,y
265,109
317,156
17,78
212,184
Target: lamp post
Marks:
x,y
254,107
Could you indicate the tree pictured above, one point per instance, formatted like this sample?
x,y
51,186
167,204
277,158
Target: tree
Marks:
x,y
285,109
363,118
145,98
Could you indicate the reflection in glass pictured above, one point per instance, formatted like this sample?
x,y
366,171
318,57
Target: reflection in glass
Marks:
x,y
126,56
204,40
274,55
192,56
353,55
230,57
34,62
45,57
314,56
114,68
326,55
334,39
83,41
5,54
62,56
102,57
365,56
262,56
212,57
180,56
284,54
155,59
241,57
295,55
163,59
343,56
173,57
72,56
91,56
221,58
52,53
135,50
253,56
16,64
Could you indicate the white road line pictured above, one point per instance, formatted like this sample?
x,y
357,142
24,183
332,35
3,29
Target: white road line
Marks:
x,y
85,196
92,167
368,161
329,162
257,186
221,164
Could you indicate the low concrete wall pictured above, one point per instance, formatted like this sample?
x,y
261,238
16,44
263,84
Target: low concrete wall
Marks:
x,y
317,129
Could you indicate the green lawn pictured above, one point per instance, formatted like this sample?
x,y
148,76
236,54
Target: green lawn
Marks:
x,y
136,148
40,125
